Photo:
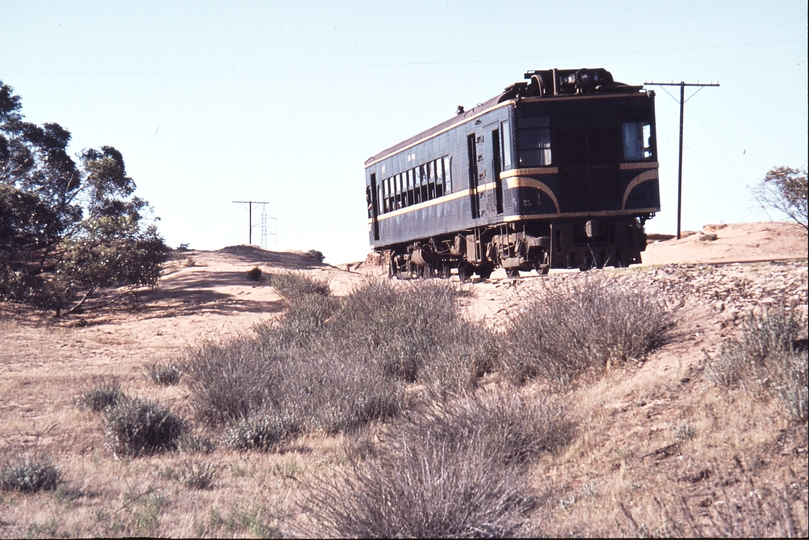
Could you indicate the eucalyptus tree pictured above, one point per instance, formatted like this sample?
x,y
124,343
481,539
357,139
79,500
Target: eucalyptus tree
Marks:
x,y
68,227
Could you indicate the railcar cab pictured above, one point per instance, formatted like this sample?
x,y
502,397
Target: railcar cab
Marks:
x,y
584,176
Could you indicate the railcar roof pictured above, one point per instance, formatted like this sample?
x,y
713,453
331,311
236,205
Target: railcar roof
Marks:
x,y
457,119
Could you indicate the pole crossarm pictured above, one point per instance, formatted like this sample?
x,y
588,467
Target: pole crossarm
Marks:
x,y
682,85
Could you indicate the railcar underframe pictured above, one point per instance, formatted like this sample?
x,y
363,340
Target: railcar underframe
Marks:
x,y
522,246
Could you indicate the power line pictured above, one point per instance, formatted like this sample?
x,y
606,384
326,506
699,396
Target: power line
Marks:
x,y
388,64
682,85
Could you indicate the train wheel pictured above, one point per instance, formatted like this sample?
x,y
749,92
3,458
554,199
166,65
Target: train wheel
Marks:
x,y
444,270
465,271
484,272
512,273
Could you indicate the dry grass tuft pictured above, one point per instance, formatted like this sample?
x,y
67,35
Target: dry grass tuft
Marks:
x,y
164,374
105,393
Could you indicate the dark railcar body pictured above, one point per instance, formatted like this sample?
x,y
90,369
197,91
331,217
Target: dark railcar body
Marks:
x,y
558,172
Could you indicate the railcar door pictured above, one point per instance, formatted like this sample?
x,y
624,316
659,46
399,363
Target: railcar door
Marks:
x,y
488,165
472,158
373,207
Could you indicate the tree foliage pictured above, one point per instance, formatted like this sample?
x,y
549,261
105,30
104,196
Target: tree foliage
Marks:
x,y
68,227
785,189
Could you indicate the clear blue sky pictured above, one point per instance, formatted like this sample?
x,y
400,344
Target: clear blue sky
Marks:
x,y
211,101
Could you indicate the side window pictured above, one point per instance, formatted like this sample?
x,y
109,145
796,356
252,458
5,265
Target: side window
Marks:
x,y
431,180
505,134
637,141
410,198
439,177
422,182
447,175
534,141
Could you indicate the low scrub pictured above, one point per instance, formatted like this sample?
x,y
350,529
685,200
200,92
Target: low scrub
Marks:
x,y
294,286
267,431
415,333
514,428
29,474
137,427
587,325
164,374
455,471
770,358
231,380
335,364
106,392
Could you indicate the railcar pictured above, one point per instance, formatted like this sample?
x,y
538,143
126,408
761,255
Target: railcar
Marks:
x,y
558,171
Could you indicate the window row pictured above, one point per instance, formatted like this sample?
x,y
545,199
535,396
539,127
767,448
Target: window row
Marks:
x,y
419,184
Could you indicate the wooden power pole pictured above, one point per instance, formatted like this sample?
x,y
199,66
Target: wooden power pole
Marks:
x,y
682,85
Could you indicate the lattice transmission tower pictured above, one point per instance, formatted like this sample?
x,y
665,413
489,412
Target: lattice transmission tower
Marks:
x,y
265,232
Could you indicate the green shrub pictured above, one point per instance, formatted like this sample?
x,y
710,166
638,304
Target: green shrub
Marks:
x,y
584,325
29,474
136,427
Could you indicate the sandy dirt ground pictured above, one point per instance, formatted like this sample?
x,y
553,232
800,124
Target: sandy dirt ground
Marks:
x,y
207,295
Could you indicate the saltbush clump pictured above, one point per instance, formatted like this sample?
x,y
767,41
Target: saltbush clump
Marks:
x,y
295,285
231,380
414,332
454,471
140,427
267,431
29,474
337,364
105,393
